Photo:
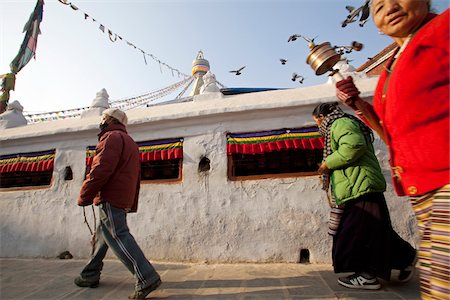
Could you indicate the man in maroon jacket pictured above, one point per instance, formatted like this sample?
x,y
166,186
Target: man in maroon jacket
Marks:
x,y
113,185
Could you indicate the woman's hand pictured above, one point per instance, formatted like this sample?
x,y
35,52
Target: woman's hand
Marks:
x,y
323,168
347,92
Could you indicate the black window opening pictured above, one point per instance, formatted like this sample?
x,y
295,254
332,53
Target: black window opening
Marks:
x,y
33,169
25,179
273,163
161,169
275,153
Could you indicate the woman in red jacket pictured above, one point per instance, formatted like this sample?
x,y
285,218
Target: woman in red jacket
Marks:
x,y
411,106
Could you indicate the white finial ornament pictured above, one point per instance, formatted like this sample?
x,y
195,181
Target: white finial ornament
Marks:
x,y
99,104
13,116
101,99
209,84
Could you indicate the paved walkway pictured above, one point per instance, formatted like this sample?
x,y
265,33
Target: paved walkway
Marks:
x,y
53,279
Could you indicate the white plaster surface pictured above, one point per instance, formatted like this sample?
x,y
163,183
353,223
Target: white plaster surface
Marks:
x,y
205,217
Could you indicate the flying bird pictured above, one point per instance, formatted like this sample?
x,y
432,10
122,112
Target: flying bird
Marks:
x,y
362,12
238,71
295,76
365,12
294,37
283,61
352,16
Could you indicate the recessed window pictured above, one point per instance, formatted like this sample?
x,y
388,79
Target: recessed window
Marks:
x,y
161,160
68,174
204,165
276,153
161,170
26,169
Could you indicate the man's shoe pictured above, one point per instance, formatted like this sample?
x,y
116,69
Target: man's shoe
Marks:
x,y
86,283
407,273
358,281
143,293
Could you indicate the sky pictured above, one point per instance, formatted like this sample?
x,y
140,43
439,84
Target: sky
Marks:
x,y
75,59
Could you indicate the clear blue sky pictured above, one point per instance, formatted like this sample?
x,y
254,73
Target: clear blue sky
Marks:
x,y
75,59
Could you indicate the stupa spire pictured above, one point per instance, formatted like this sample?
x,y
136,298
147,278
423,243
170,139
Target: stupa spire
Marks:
x,y
199,68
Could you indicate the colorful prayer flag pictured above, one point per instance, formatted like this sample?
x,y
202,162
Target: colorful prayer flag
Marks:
x,y
29,44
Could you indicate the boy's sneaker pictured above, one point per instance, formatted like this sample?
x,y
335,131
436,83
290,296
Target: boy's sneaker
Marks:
x,y
358,281
81,282
143,293
407,273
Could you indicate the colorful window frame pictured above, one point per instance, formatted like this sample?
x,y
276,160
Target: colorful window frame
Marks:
x,y
275,153
26,169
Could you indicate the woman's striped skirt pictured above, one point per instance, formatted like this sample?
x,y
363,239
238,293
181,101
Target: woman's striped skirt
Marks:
x,y
433,217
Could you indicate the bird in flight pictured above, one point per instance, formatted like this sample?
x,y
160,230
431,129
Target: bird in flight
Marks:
x,y
310,41
283,61
295,76
293,37
238,71
362,12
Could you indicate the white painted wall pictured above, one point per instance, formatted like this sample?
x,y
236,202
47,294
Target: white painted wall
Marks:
x,y
204,217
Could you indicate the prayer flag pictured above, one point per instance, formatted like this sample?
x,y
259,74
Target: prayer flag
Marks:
x,y
29,44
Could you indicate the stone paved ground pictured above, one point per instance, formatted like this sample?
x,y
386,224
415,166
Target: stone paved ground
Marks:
x,y
53,279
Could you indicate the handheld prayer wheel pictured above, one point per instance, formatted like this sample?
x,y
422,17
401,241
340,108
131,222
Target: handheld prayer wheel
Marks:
x,y
322,58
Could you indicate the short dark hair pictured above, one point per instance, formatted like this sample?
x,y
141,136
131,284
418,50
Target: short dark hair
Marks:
x,y
324,109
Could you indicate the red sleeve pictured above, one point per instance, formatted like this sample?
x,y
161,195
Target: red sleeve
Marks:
x,y
107,156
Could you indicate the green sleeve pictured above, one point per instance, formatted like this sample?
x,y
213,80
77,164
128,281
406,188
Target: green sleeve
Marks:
x,y
348,144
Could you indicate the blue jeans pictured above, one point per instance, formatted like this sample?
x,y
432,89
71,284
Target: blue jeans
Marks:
x,y
113,232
